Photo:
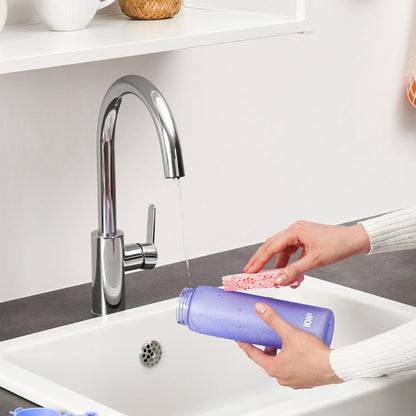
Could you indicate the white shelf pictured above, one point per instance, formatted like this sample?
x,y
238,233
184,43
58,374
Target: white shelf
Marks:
x,y
33,46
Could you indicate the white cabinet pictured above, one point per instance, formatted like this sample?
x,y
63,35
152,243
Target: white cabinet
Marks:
x,y
28,46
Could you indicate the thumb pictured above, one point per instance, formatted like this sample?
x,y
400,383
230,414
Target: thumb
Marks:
x,y
271,318
297,269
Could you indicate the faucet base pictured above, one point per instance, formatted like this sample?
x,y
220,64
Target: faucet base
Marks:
x,y
108,280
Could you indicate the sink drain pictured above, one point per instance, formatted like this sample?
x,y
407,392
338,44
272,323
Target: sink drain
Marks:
x,y
151,353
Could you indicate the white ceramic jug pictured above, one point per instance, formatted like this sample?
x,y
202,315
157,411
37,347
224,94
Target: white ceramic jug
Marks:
x,y
68,14
3,13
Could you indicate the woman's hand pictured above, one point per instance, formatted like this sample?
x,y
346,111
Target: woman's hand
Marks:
x,y
303,361
322,245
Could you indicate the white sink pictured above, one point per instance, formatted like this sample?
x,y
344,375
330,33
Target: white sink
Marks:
x,y
94,365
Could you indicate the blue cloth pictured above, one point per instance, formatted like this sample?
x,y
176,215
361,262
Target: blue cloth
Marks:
x,y
38,411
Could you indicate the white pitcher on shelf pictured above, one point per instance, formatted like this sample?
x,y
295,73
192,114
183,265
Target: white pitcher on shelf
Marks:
x,y
66,15
3,13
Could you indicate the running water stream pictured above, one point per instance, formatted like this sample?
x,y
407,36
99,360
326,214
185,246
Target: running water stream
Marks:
x,y
182,221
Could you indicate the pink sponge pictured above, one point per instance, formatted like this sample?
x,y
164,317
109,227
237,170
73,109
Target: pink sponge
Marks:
x,y
263,279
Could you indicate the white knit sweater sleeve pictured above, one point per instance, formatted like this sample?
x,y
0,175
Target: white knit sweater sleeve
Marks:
x,y
394,350
392,232
387,353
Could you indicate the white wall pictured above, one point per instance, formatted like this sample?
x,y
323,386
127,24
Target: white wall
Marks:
x,y
304,126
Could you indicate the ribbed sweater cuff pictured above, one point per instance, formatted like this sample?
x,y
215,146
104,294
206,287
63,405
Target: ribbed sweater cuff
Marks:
x,y
392,232
383,354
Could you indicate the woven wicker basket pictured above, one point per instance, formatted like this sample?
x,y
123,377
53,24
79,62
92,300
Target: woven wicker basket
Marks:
x,y
150,9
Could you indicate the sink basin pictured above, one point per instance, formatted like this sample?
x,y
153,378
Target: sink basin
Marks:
x,y
95,365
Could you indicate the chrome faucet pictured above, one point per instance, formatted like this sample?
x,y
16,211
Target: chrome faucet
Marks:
x,y
110,257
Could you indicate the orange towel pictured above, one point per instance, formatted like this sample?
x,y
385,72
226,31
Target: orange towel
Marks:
x,y
411,90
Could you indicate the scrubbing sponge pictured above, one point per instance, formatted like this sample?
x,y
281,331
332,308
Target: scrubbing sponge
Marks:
x,y
263,279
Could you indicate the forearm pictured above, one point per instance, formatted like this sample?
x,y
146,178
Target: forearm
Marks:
x,y
384,354
392,232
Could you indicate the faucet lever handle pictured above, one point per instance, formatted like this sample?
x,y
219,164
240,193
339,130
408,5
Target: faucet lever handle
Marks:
x,y
149,249
143,256
151,224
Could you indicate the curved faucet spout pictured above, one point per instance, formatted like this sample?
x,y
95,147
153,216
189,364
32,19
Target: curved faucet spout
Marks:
x,y
111,258
168,138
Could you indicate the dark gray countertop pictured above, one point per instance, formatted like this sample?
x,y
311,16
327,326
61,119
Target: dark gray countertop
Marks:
x,y
390,275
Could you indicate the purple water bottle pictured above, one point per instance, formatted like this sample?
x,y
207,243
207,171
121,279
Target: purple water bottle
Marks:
x,y
213,311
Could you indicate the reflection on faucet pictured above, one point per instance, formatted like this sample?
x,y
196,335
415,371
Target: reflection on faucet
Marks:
x,y
110,257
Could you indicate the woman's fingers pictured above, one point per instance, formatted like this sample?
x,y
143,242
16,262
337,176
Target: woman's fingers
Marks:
x,y
274,245
293,273
256,354
284,256
297,282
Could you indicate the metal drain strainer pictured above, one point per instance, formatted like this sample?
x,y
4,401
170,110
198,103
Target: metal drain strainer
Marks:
x,y
151,353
